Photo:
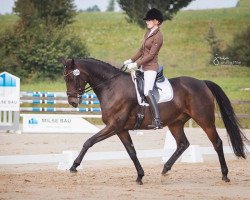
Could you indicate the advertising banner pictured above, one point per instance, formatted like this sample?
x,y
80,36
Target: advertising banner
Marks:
x,y
9,92
56,123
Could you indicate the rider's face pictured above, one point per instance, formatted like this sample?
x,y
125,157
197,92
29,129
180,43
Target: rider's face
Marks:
x,y
152,23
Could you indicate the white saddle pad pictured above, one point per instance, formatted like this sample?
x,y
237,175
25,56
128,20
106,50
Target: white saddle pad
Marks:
x,y
165,91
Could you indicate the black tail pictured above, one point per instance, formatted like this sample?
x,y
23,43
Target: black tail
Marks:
x,y
230,120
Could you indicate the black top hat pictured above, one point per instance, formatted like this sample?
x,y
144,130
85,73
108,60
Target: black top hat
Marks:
x,y
154,14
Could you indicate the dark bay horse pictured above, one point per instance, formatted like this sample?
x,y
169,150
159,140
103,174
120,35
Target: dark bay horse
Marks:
x,y
115,90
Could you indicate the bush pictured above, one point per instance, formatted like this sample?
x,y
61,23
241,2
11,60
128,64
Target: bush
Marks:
x,y
239,50
34,53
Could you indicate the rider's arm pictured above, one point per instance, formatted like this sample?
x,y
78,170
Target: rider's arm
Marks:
x,y
137,55
154,50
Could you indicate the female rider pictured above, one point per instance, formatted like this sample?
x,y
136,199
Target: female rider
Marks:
x,y
147,60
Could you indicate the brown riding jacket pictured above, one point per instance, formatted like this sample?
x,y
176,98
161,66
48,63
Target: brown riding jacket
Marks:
x,y
147,56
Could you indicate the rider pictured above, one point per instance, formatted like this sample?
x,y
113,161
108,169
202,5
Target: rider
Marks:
x,y
147,60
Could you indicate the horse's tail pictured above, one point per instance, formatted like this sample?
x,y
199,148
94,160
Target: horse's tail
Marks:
x,y
230,120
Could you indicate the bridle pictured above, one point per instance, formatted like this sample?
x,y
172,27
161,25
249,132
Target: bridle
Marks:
x,y
77,78
79,91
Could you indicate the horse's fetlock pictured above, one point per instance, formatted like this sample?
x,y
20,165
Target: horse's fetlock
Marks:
x,y
141,173
167,167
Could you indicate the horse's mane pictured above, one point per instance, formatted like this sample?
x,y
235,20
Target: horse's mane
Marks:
x,y
103,65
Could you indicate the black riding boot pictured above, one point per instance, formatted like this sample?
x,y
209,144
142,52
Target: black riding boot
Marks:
x,y
156,123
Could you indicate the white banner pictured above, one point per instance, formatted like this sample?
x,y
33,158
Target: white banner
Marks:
x,y
56,123
9,92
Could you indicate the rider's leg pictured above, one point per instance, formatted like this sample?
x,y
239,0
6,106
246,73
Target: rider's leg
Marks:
x,y
149,80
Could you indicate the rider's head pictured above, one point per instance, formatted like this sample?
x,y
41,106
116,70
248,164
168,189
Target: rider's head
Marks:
x,y
154,15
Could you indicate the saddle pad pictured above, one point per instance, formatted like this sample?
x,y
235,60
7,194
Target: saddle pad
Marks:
x,y
165,92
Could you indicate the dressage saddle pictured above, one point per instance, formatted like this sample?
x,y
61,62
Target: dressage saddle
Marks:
x,y
140,83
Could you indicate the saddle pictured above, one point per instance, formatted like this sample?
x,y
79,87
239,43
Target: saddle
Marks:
x,y
139,78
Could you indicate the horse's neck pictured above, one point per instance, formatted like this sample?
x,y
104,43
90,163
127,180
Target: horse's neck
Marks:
x,y
101,76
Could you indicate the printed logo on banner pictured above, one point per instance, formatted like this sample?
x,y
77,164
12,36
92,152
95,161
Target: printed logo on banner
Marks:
x,y
56,123
33,121
7,81
9,92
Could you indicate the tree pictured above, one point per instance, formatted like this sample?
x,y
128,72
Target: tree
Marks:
x,y
31,50
50,12
111,6
214,44
136,9
34,53
94,8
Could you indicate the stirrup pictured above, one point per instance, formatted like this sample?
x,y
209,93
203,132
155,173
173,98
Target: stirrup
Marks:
x,y
156,124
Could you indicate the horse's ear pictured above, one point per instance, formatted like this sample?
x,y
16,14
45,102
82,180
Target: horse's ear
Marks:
x,y
72,63
62,60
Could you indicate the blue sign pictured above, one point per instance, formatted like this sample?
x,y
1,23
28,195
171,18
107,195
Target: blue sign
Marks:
x,y
33,121
7,80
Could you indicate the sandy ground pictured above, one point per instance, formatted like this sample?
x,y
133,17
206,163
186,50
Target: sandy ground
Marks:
x,y
115,179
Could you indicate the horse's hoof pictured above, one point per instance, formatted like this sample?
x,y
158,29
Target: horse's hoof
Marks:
x,y
73,170
164,178
139,182
224,178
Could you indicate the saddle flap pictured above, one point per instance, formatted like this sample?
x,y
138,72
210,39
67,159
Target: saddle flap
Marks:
x,y
139,77
163,90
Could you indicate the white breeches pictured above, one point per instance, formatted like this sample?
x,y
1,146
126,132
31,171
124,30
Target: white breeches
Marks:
x,y
149,80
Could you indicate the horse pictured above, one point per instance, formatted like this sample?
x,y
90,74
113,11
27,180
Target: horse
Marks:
x,y
115,90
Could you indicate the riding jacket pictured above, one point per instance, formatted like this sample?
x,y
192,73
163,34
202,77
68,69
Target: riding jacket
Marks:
x,y
147,55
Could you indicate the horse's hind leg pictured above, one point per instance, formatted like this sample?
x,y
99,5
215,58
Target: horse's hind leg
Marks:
x,y
218,147
128,144
177,130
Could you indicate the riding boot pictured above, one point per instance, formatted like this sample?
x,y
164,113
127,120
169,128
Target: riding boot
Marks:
x,y
156,123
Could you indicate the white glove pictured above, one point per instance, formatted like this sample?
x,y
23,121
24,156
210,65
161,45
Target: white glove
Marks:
x,y
132,66
126,62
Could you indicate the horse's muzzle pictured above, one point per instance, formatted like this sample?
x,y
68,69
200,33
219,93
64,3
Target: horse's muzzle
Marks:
x,y
73,102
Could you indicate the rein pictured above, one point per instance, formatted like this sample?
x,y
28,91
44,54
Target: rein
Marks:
x,y
89,88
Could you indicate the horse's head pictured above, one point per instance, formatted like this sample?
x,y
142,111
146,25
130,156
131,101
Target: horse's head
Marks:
x,y
75,79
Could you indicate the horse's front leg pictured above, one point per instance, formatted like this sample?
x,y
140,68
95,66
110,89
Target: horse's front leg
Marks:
x,y
127,142
101,135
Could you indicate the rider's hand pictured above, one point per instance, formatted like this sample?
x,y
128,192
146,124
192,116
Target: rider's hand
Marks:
x,y
132,66
126,62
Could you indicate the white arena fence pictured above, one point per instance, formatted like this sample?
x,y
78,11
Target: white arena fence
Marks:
x,y
194,154
57,102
